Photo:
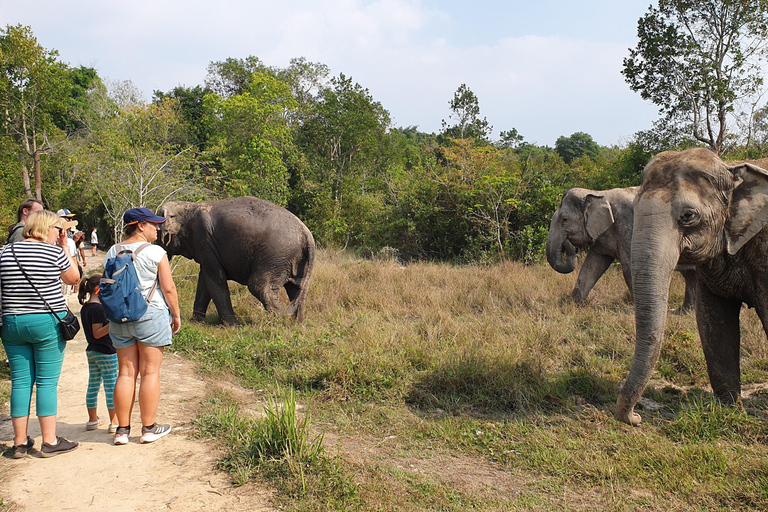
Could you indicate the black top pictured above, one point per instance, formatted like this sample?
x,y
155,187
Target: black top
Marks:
x,y
92,313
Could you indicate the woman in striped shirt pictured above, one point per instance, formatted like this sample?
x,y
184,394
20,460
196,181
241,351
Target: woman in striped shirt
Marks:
x,y
31,335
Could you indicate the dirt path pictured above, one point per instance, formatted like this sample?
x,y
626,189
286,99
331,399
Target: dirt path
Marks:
x,y
175,473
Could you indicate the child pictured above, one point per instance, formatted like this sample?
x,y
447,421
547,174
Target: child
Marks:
x,y
102,356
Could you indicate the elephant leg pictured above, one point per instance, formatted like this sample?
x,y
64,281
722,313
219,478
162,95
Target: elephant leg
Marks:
x,y
718,322
593,268
689,302
216,288
202,299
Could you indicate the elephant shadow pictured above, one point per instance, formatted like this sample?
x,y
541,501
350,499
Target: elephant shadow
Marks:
x,y
481,388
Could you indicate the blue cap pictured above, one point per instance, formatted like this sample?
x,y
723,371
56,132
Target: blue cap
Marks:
x,y
141,215
65,213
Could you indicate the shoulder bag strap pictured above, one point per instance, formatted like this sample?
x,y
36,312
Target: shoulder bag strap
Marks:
x,y
13,252
157,279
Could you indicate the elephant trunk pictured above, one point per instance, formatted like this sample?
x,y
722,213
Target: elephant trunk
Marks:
x,y
655,252
557,244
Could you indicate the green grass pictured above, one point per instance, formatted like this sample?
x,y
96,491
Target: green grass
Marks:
x,y
492,371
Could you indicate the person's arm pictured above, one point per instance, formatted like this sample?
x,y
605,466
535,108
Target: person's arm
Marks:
x,y
100,330
168,288
71,275
82,254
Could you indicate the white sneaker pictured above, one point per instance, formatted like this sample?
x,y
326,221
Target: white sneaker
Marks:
x,y
150,435
122,436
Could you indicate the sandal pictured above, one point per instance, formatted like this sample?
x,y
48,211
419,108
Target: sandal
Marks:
x,y
93,425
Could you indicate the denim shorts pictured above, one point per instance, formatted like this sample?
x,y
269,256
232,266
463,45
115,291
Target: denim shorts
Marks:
x,y
153,329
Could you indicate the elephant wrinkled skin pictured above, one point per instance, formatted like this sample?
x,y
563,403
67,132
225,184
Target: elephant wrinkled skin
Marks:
x,y
697,209
601,220
247,240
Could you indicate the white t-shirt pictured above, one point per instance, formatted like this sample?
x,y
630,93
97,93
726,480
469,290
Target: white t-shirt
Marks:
x,y
94,238
72,248
146,269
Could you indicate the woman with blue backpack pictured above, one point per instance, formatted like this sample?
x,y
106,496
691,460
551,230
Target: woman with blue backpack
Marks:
x,y
140,342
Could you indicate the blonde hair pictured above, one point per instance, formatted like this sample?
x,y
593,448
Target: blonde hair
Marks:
x,y
38,223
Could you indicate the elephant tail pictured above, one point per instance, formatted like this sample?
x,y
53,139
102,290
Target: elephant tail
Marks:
x,y
302,272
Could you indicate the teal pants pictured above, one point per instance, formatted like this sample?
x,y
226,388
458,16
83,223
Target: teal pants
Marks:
x,y
101,368
35,349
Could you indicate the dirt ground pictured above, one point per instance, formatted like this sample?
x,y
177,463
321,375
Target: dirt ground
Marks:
x,y
174,473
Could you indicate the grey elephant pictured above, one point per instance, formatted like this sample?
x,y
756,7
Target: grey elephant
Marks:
x,y
247,240
601,220
697,209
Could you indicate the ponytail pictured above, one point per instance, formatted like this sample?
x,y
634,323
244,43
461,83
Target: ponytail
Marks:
x,y
87,286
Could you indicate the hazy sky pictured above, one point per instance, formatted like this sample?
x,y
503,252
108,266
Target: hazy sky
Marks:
x,y
545,67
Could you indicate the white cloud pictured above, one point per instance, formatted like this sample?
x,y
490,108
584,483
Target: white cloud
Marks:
x,y
399,49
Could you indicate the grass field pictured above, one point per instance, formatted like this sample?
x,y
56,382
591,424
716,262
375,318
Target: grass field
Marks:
x,y
432,387
438,387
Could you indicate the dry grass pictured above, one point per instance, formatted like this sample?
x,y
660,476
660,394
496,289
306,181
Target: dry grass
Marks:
x,y
403,365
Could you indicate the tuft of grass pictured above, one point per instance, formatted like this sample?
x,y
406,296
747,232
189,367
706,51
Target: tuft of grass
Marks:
x,y
710,421
281,450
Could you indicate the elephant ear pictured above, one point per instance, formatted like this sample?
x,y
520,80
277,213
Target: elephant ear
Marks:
x,y
748,212
598,215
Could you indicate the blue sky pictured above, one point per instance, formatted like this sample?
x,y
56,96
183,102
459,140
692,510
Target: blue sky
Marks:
x,y
547,68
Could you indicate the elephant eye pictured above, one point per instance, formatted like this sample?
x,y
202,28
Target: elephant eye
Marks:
x,y
689,218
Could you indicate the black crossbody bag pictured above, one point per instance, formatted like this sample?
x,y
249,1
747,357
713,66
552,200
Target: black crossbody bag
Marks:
x,y
70,326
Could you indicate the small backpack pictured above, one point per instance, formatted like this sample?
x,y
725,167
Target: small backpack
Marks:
x,y
119,289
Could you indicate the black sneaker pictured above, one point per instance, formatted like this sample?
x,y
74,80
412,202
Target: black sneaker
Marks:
x,y
155,432
20,450
61,446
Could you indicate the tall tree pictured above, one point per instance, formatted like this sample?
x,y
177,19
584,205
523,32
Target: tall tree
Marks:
x,y
34,88
696,59
577,145
250,137
465,112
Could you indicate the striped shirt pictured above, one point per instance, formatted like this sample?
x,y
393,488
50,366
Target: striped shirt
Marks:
x,y
44,264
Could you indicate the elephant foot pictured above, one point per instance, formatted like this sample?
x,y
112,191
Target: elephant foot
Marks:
x,y
198,317
627,414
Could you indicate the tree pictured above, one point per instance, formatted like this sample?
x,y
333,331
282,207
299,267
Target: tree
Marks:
x,y
696,59
575,146
466,114
34,88
232,76
133,160
250,136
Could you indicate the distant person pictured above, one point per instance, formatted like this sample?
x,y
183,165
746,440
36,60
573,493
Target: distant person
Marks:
x,y
101,354
94,241
30,273
140,344
79,239
25,208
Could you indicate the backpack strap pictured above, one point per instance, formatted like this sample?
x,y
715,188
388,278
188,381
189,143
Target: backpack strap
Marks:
x,y
134,254
14,230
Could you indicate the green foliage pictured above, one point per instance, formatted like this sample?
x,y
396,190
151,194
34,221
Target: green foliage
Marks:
x,y
250,137
577,145
697,59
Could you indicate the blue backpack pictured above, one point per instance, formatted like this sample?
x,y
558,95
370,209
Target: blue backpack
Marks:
x,y
119,289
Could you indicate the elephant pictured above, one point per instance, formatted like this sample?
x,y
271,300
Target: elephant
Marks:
x,y
696,209
602,221
244,239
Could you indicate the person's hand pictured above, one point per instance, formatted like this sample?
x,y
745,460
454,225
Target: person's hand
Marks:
x,y
61,241
175,324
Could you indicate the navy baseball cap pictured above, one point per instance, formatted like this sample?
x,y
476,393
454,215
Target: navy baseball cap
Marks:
x,y
141,215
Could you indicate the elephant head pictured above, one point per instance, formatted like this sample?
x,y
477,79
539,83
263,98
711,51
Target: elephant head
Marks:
x,y
694,208
583,216
171,237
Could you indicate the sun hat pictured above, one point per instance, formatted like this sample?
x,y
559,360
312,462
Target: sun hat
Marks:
x,y
141,215
65,223
65,213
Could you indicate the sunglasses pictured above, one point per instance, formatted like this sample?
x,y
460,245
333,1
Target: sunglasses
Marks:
x,y
58,228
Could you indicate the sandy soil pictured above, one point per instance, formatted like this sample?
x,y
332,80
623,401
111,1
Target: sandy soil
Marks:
x,y
174,473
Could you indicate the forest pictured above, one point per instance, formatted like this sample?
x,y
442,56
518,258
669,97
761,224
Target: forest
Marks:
x,y
320,145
